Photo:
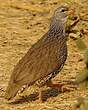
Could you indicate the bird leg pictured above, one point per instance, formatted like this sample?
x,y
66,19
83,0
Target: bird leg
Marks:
x,y
65,86
40,94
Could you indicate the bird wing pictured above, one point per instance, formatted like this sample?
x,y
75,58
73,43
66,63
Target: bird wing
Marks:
x,y
38,62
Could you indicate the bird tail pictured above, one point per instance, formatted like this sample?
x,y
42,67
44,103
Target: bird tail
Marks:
x,y
11,91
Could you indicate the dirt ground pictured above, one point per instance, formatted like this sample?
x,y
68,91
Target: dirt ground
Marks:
x,y
22,23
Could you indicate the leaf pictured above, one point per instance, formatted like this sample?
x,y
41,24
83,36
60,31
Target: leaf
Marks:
x,y
82,104
82,76
80,44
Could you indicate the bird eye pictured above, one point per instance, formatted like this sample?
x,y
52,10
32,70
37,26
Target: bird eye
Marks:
x,y
63,10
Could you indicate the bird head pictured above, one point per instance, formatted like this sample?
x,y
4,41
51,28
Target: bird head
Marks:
x,y
62,12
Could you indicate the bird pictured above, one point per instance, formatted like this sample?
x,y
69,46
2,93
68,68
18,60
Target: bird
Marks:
x,y
44,60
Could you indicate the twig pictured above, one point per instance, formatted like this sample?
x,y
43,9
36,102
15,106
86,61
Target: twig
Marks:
x,y
68,30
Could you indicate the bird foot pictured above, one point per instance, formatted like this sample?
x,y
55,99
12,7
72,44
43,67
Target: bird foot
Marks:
x,y
68,88
63,86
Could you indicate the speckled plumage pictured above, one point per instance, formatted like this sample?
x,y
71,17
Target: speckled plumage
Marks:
x,y
42,61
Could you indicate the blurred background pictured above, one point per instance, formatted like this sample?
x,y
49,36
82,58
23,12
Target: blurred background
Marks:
x,y
22,23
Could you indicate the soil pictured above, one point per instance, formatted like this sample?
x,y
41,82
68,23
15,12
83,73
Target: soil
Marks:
x,y
22,23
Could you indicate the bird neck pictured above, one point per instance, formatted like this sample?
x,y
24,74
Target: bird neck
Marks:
x,y
57,27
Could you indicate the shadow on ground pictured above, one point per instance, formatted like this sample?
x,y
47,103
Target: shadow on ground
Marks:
x,y
33,97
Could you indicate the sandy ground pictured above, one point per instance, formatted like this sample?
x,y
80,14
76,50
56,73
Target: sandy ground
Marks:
x,y
22,23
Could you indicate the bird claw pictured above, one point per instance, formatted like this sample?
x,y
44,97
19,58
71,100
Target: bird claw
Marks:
x,y
65,86
68,88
